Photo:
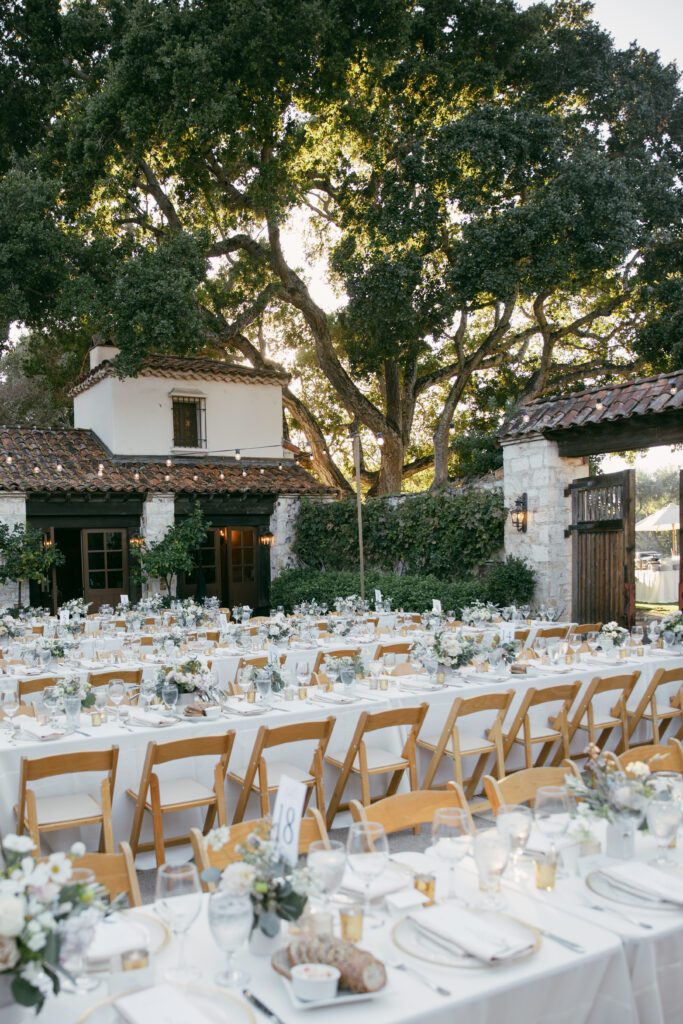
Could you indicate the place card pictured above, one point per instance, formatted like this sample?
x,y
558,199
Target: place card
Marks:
x,y
287,814
436,606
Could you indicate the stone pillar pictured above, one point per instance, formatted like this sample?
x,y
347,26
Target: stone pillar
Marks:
x,y
158,513
13,512
282,526
534,465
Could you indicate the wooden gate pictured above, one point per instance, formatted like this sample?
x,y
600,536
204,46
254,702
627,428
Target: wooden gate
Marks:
x,y
603,548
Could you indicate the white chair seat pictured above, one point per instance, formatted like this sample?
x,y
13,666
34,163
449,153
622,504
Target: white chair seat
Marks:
x,y
179,791
276,769
468,741
68,807
377,758
663,711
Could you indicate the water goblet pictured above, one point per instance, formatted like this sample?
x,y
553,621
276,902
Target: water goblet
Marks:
x,y
347,677
326,861
514,822
169,695
9,697
178,902
53,702
230,920
552,812
116,692
72,711
75,941
669,638
263,681
451,840
367,853
663,816
491,851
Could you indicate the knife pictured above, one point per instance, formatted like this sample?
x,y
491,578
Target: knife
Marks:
x,y
251,998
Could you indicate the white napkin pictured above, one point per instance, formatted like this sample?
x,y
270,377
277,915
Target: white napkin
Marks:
x,y
413,684
163,1004
32,728
114,937
485,939
391,880
643,879
142,717
334,698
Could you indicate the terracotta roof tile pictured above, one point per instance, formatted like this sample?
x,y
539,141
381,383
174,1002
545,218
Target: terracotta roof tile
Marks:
x,y
651,395
69,459
186,368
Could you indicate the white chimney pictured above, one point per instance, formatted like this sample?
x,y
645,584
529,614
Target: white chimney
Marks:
x,y
100,353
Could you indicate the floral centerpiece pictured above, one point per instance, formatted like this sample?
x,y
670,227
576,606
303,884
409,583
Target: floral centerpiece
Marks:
x,y
41,909
673,623
9,627
76,606
613,633
510,649
509,613
278,891
347,663
55,648
241,613
278,629
73,687
150,605
189,676
480,611
73,626
353,604
603,787
308,608
453,649
174,635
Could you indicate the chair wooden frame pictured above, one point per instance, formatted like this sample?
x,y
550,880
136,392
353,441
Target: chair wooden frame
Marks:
x,y
34,769
412,717
35,685
659,757
255,776
461,708
521,787
585,627
404,811
552,632
560,725
102,677
649,710
312,830
255,661
584,717
148,796
116,872
398,647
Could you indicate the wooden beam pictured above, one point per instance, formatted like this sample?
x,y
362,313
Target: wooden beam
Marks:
x,y
621,435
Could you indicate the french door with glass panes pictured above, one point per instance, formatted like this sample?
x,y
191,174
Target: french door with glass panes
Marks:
x,y
105,566
242,555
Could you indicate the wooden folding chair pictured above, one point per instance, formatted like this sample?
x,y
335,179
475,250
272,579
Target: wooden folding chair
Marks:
x,y
262,775
38,630
165,796
399,647
522,635
529,733
521,787
599,730
213,634
366,759
146,641
27,687
116,872
659,757
255,661
652,709
340,652
130,676
456,743
312,830
149,621
405,811
36,814
586,627
550,632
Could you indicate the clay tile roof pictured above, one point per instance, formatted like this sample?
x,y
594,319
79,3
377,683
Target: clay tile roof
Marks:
x,y
185,368
69,459
649,396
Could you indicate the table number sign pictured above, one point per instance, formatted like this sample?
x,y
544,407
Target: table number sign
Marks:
x,y
287,814
507,632
223,620
378,598
436,606
124,600
63,616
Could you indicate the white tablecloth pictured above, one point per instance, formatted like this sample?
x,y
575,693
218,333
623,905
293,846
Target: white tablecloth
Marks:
x,y
657,586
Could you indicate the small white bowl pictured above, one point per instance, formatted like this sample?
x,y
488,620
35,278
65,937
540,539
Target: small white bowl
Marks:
x,y
212,712
315,982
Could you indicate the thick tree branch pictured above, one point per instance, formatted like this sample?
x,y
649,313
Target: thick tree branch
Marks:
x,y
154,189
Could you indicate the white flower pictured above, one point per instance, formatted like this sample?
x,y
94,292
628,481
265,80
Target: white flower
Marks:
x,y
638,769
77,849
18,844
58,868
218,838
11,916
9,953
238,879
36,939
34,974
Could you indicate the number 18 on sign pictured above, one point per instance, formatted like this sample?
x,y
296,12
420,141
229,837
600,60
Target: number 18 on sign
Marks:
x,y
287,813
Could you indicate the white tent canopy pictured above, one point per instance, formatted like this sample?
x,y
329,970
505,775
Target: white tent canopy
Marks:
x,y
667,518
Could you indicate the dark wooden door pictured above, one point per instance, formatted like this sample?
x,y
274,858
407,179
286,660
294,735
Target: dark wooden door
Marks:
x,y
208,560
680,539
242,554
603,530
105,566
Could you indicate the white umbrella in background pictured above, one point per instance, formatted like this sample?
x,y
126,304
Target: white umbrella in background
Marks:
x,y
664,519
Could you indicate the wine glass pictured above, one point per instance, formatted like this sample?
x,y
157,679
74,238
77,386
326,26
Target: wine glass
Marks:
x,y
514,822
637,634
552,812
451,840
169,695
52,701
302,673
263,684
669,638
367,853
178,902
10,706
663,819
148,689
245,679
491,851
116,692
230,920
75,942
326,862
348,677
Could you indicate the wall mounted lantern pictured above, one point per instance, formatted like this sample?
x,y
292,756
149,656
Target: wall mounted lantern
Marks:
x,y
519,513
267,539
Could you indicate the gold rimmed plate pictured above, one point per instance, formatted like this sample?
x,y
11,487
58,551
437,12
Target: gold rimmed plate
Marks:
x,y
602,886
128,929
417,943
219,1005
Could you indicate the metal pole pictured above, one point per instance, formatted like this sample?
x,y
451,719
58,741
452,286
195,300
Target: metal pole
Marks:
x,y
359,508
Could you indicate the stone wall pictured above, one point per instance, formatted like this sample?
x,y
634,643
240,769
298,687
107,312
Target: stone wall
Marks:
x,y
13,512
282,526
158,513
535,466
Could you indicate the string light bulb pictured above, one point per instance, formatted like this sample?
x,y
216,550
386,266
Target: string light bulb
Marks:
x,y
673,389
10,460
279,465
380,440
59,467
36,470
136,476
195,477
262,471
244,472
100,470
167,477
222,475
526,417
238,455
599,406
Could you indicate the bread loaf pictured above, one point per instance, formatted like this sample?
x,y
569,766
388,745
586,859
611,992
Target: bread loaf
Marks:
x,y
360,971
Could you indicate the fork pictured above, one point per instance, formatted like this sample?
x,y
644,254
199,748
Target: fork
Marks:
x,y
618,913
419,976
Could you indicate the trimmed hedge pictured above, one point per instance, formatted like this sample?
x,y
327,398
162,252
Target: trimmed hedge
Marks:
x,y
506,582
428,534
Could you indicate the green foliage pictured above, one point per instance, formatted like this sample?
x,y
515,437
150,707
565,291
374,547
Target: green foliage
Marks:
x,y
506,582
175,553
430,534
24,556
474,454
